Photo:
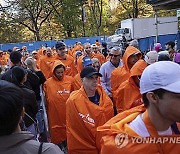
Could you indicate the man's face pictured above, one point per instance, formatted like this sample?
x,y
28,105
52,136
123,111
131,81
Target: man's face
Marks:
x,y
49,53
34,55
114,57
26,55
169,106
61,51
87,48
90,83
59,73
95,49
133,59
167,46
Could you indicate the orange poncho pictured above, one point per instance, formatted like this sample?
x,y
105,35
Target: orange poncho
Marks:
x,y
83,117
57,92
122,73
128,92
119,125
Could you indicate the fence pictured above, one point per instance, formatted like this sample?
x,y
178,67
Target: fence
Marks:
x,y
35,45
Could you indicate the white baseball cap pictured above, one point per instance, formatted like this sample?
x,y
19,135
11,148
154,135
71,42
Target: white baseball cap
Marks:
x,y
162,74
151,57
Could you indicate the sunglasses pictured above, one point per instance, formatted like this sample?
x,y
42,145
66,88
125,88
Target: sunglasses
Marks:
x,y
111,55
88,48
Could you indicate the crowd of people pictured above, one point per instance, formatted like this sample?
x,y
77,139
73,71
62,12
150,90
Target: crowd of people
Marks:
x,y
95,98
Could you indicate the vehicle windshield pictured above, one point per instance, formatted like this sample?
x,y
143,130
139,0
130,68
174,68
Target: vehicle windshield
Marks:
x,y
119,31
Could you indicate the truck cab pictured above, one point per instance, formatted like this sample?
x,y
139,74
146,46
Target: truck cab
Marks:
x,y
121,35
126,32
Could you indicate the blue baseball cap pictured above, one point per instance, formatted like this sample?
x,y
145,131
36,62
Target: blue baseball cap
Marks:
x,y
86,61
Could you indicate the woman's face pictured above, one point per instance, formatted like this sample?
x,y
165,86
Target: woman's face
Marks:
x,y
59,73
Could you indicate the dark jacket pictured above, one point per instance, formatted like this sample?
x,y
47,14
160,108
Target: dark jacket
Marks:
x,y
35,79
30,105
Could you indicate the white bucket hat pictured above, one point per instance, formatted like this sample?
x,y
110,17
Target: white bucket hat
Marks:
x,y
163,74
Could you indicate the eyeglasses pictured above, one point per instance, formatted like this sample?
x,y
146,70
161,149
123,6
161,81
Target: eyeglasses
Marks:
x,y
111,55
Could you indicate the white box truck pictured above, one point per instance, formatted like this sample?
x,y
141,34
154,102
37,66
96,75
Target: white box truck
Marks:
x,y
146,27
140,28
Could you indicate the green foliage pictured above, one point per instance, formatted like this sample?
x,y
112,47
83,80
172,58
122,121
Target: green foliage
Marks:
x,y
27,20
9,32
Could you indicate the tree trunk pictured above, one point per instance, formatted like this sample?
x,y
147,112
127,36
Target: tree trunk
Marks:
x,y
69,33
37,36
98,30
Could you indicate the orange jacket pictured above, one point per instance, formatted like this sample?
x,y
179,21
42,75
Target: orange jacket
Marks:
x,y
46,65
122,73
98,44
76,48
41,52
128,92
119,125
38,60
100,57
79,62
83,117
77,83
69,64
57,92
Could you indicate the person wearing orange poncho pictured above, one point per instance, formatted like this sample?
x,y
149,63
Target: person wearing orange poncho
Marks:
x,y
156,124
57,90
98,43
87,52
98,54
128,92
86,109
77,47
77,83
66,59
122,73
37,58
46,63
41,52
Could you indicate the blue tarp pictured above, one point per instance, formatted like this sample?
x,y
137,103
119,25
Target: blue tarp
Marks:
x,y
144,44
35,45
148,43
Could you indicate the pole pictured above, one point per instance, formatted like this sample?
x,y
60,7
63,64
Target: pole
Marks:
x,y
83,20
156,24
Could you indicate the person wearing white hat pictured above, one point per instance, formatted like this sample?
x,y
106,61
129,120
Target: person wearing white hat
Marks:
x,y
146,127
151,57
34,55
